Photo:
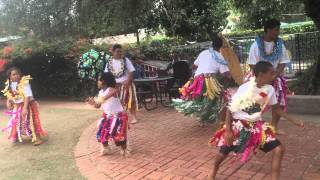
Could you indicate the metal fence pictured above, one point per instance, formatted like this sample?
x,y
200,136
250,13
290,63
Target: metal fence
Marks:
x,y
303,49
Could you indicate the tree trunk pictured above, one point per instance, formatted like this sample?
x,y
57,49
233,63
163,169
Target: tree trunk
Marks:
x,y
138,39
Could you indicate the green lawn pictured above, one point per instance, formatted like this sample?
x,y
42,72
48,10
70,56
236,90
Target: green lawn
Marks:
x,y
53,159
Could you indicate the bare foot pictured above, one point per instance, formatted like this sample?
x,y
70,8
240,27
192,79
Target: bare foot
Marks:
x,y
134,121
280,132
105,151
38,142
210,176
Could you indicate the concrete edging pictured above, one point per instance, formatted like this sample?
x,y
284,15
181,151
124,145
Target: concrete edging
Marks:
x,y
304,104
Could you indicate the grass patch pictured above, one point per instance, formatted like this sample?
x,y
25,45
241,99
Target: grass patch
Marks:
x,y
53,159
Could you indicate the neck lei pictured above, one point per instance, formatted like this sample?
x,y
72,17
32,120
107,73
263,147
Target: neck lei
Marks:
x,y
246,100
276,52
19,93
123,69
216,58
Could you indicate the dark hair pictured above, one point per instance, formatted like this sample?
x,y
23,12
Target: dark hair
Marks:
x,y
108,79
261,67
216,42
13,69
270,24
116,46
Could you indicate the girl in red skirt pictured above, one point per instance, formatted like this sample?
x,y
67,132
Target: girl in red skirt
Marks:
x,y
23,109
114,123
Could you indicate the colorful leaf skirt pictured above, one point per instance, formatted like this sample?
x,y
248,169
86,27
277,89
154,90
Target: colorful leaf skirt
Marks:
x,y
128,97
29,126
247,136
201,97
113,127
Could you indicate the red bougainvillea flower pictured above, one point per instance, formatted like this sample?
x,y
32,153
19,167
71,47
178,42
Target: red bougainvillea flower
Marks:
x,y
7,51
3,62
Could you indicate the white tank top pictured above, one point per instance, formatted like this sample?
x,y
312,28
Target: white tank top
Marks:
x,y
111,105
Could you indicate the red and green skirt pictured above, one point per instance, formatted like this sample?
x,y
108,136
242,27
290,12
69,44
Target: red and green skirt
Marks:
x,y
248,136
29,126
202,97
113,127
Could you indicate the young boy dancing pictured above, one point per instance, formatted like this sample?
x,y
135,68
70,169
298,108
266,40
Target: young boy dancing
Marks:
x,y
244,130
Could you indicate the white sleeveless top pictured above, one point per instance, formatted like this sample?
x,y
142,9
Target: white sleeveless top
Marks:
x,y
111,105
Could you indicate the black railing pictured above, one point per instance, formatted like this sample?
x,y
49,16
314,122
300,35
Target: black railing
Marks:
x,y
303,49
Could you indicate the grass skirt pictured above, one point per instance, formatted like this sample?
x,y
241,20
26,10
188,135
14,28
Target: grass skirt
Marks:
x,y
29,126
248,136
129,97
201,97
113,127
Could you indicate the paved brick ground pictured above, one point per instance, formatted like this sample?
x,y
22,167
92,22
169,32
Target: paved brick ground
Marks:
x,y
167,145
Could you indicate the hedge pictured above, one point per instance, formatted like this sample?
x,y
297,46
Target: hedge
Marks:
x,y
53,66
290,29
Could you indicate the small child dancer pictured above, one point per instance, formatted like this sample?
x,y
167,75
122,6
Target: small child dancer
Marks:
x,y
244,130
114,123
25,120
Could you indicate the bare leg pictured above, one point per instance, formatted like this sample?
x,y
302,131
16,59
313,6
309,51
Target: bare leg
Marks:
x,y
38,141
218,160
105,149
277,156
124,151
275,121
133,112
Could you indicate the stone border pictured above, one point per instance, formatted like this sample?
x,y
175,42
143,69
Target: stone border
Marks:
x,y
304,104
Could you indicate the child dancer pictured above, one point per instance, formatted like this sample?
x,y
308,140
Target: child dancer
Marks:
x,y
203,95
122,69
114,124
244,130
23,109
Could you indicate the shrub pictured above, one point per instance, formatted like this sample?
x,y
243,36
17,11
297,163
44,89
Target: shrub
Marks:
x,y
53,66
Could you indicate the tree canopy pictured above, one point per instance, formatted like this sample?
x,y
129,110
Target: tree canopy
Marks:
x,y
188,19
253,13
312,8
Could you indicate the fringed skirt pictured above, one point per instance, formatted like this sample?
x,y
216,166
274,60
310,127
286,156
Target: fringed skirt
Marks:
x,y
247,137
280,87
113,127
128,97
29,126
201,97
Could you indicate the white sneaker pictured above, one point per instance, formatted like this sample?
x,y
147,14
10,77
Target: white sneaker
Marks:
x,y
105,150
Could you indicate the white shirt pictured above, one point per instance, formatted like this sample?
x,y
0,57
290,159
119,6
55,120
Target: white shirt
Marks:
x,y
254,56
207,65
111,105
117,67
269,100
27,91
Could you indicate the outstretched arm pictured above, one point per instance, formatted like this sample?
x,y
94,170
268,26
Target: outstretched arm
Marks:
x,y
283,114
229,135
97,103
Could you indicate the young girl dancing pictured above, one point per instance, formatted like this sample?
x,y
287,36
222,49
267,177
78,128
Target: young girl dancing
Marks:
x,y
23,109
114,123
244,130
